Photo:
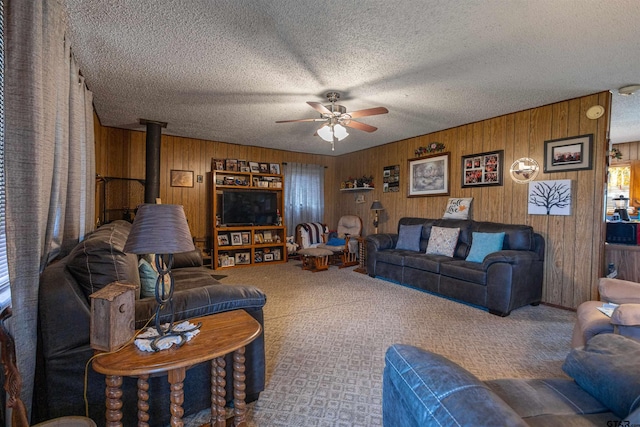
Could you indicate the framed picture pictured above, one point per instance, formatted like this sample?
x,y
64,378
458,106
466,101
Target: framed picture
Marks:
x,y
218,164
243,258
246,237
223,239
254,167
181,178
568,154
274,168
231,165
236,238
268,257
429,176
276,254
264,167
257,257
482,169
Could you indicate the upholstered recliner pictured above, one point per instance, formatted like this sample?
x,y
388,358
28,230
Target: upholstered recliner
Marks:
x,y
625,319
342,242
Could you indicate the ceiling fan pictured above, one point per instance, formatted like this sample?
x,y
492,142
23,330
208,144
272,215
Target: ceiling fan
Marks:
x,y
336,118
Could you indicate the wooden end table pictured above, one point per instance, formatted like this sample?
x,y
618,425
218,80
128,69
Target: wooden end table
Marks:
x,y
219,335
362,256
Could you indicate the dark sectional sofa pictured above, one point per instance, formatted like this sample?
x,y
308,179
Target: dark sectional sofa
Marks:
x,y
64,329
504,280
422,389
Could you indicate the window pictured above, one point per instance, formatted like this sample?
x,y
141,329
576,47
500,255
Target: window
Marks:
x,y
304,194
5,290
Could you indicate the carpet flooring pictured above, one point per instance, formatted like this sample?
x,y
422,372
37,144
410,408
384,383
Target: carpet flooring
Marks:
x,y
326,334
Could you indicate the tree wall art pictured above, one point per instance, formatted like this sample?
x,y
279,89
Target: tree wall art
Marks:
x,y
550,197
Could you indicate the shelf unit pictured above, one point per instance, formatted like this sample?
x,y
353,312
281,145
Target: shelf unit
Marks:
x,y
357,189
246,245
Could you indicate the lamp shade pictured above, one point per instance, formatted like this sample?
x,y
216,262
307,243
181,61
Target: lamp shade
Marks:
x,y
325,133
376,206
159,229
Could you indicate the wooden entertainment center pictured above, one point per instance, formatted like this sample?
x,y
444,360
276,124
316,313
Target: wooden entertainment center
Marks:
x,y
242,237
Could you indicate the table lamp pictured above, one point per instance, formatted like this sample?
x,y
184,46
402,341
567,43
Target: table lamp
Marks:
x,y
377,207
161,230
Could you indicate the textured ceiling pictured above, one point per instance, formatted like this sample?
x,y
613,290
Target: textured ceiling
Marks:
x,y
228,70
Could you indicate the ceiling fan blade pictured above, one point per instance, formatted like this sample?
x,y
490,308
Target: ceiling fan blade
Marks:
x,y
320,108
360,126
301,120
368,112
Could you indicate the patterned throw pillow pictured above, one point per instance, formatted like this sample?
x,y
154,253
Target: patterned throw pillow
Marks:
x,y
458,208
443,241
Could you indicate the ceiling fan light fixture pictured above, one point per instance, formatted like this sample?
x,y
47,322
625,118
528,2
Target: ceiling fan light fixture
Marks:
x,y
340,132
325,133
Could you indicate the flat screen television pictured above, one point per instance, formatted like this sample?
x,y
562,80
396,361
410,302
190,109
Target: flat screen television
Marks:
x,y
242,207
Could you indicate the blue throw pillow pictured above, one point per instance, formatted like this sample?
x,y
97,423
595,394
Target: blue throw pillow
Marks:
x,y
482,244
409,237
334,241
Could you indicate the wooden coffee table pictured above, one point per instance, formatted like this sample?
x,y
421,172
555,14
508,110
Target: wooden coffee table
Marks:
x,y
219,335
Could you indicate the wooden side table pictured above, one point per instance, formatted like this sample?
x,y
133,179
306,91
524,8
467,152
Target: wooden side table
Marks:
x,y
362,256
219,335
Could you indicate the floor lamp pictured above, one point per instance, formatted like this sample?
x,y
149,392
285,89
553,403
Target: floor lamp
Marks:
x,y
162,230
376,206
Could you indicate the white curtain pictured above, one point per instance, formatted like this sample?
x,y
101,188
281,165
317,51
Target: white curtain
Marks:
x,y
50,161
303,194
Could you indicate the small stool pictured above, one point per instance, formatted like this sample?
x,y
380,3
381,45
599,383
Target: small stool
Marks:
x,y
315,259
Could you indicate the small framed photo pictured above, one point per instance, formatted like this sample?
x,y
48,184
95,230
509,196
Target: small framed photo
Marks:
x,y
257,256
218,164
223,239
236,238
242,164
429,176
482,169
264,167
274,168
276,254
568,154
254,167
246,237
268,257
181,178
242,258
231,165
245,169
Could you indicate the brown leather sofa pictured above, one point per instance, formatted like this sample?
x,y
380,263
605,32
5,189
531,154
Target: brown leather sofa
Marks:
x,y
64,329
504,280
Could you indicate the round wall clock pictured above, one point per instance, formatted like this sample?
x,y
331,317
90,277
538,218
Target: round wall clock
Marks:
x,y
524,170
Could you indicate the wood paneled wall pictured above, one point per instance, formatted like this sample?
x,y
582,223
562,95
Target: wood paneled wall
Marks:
x,y
574,244
121,153
629,151
574,257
